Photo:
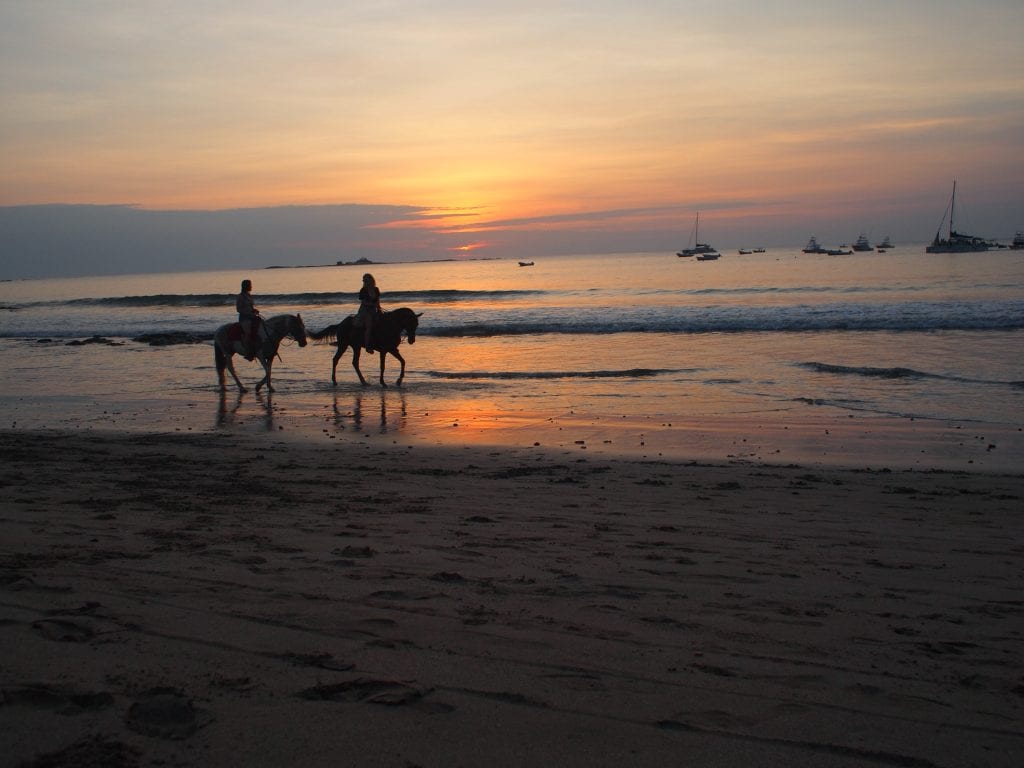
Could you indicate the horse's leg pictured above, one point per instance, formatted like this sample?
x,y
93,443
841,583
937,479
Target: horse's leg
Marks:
x,y
383,357
355,363
334,365
401,376
221,363
230,362
267,364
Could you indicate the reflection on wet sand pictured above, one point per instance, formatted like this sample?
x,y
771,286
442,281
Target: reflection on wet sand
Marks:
x,y
367,406
229,416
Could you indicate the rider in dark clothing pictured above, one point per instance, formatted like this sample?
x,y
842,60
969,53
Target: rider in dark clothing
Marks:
x,y
248,318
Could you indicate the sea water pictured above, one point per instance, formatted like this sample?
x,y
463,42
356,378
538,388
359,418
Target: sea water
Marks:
x,y
504,352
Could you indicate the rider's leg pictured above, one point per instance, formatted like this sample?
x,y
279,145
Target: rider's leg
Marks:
x,y
369,335
247,338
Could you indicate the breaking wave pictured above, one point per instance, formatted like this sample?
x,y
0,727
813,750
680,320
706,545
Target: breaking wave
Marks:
x,y
896,373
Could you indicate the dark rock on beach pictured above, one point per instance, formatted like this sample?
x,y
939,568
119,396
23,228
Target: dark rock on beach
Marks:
x,y
94,340
172,337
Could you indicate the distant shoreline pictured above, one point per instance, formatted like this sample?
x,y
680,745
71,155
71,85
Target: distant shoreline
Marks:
x,y
368,263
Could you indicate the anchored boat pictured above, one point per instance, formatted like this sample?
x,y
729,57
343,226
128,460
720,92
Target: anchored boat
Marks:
x,y
957,242
699,248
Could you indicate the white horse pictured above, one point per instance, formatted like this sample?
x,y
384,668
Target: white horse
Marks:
x,y
227,342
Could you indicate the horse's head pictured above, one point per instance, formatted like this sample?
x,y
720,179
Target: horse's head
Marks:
x,y
411,324
297,330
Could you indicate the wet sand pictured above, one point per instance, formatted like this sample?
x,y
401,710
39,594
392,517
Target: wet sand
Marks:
x,y
228,598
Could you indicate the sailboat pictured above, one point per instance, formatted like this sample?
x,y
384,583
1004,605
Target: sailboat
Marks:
x,y
699,248
957,242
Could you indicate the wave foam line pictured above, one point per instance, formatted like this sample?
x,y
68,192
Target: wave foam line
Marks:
x,y
897,373
631,373
391,298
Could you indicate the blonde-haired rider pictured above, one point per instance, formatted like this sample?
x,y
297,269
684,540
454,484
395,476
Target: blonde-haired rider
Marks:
x,y
369,308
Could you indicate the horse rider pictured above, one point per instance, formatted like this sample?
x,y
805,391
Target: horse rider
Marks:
x,y
248,318
369,308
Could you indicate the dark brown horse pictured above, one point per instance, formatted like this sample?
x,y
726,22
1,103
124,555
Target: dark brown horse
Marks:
x,y
387,335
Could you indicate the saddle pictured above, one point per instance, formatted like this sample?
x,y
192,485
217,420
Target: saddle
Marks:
x,y
235,332
357,318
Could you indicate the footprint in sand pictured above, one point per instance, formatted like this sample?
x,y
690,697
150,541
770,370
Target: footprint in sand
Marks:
x,y
62,701
94,750
390,693
319,660
387,692
64,630
166,714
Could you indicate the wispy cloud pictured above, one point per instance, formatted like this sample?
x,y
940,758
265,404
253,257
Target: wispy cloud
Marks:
x,y
567,118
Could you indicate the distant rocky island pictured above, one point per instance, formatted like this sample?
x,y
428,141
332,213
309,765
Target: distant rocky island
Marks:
x,y
356,263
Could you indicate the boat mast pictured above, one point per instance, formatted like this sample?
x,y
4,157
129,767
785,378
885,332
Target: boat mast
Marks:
x,y
952,207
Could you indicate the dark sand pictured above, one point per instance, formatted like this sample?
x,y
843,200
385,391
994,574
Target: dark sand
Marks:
x,y
231,599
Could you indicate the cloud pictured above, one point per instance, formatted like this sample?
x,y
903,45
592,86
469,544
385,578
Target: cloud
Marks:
x,y
65,240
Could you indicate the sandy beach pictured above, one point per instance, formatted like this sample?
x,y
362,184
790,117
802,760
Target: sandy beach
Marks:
x,y
229,599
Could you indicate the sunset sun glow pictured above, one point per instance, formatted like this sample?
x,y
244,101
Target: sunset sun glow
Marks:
x,y
554,129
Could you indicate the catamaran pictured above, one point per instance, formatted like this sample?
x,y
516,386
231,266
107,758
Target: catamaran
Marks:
x,y
956,242
699,248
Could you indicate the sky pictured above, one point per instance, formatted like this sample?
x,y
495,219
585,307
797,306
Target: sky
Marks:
x,y
146,135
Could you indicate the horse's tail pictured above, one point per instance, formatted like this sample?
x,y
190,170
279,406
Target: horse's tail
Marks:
x,y
328,335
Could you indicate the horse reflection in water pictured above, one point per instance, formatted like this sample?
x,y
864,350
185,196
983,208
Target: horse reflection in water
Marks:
x,y
228,417
227,342
387,335
364,410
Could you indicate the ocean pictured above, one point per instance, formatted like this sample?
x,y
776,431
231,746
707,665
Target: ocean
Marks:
x,y
912,359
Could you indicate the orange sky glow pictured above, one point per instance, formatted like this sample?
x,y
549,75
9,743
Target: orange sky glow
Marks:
x,y
505,118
